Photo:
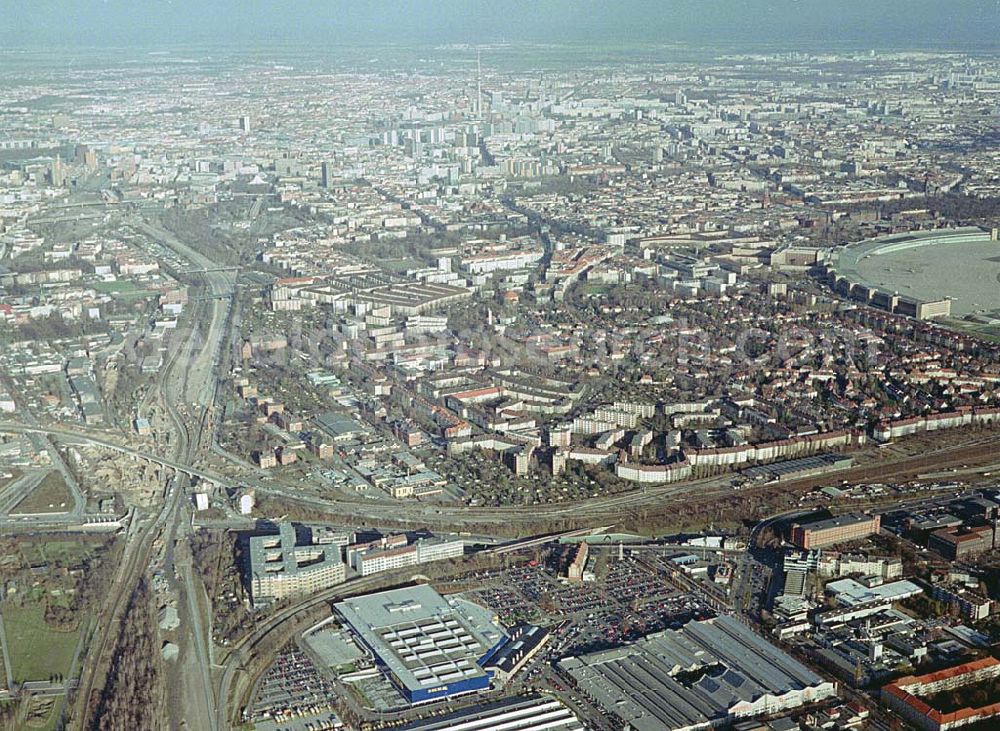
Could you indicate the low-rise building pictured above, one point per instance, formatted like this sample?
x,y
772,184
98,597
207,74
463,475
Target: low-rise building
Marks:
x,y
537,713
430,647
706,674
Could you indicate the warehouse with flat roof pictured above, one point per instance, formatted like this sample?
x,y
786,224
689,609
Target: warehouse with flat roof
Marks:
x,y
429,646
535,713
702,675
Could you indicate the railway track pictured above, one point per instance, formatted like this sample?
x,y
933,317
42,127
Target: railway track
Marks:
x,y
980,447
138,548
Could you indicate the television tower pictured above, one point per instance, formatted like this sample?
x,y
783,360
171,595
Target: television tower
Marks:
x,y
479,82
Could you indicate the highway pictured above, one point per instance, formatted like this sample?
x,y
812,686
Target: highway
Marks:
x,y
203,355
69,436
188,376
4,654
42,444
197,385
19,489
389,512
742,586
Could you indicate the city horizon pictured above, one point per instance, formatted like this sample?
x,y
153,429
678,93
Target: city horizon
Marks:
x,y
114,23
452,366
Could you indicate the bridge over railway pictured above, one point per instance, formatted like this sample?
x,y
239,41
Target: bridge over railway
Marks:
x,y
68,436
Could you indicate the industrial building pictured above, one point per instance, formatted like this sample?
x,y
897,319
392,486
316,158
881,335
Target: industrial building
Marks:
x,y
523,644
832,531
850,593
702,675
341,427
428,646
796,469
536,713
279,568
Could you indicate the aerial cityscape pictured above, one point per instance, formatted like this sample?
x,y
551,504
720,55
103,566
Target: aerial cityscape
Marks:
x,y
492,384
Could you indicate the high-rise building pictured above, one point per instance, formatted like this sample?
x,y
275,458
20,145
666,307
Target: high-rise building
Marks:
x,y
57,174
479,83
324,176
245,124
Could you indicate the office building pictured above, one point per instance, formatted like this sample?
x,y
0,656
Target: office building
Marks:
x,y
279,568
956,543
843,528
394,552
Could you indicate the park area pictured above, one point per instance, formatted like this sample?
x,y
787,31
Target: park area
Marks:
x,y
37,651
43,619
45,609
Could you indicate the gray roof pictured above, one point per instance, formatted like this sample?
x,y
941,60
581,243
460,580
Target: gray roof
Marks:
x,y
339,425
691,676
279,554
423,638
837,521
536,713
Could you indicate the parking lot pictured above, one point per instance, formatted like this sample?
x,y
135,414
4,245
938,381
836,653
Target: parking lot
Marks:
x,y
291,692
632,596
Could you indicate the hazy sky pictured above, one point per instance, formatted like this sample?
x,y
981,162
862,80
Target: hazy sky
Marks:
x,y
154,22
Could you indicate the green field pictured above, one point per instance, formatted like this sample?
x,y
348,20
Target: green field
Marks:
x,y
72,553
122,289
43,714
36,651
50,496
